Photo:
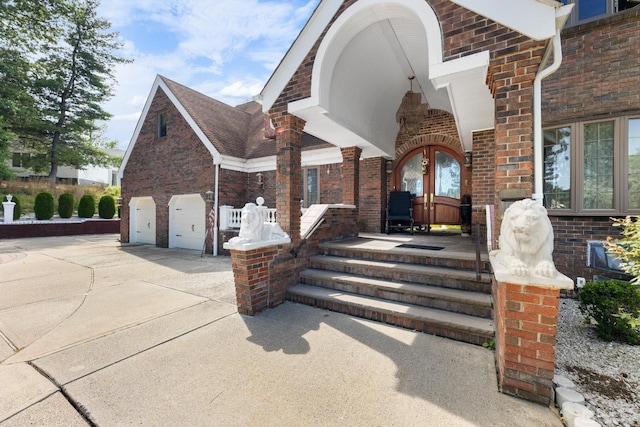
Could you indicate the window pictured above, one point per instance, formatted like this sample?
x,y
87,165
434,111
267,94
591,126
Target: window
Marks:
x,y
586,10
162,125
16,160
593,167
310,187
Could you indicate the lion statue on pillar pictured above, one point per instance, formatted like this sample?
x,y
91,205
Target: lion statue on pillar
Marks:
x,y
526,240
253,228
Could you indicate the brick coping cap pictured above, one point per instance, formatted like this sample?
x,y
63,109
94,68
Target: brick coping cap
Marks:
x,y
502,275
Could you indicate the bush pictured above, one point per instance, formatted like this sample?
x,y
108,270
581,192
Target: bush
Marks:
x,y
43,206
17,209
614,305
106,207
65,205
627,248
87,206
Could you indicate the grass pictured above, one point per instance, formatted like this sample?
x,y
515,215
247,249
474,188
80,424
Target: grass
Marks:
x,y
26,191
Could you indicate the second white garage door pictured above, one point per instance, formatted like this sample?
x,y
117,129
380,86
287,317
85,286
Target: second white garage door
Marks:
x,y
187,223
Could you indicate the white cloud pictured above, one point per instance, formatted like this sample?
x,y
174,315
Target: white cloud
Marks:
x,y
225,49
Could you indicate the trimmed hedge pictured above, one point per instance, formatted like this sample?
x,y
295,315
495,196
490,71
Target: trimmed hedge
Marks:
x,y
106,207
87,206
17,209
44,206
65,205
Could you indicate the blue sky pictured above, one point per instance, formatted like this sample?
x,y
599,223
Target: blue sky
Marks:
x,y
226,49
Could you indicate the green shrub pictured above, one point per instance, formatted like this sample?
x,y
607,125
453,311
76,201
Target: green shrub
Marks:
x,y
17,209
43,206
614,305
106,207
87,206
65,205
627,248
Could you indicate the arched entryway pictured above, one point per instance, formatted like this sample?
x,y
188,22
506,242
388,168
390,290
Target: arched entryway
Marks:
x,y
437,177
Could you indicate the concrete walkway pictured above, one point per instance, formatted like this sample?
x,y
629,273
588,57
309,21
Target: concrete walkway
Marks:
x,y
94,332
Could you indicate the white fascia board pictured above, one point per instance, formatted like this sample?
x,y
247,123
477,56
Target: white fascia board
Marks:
x,y
136,132
297,52
158,83
321,156
533,18
323,126
471,101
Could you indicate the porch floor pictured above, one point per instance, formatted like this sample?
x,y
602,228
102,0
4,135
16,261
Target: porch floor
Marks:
x,y
453,244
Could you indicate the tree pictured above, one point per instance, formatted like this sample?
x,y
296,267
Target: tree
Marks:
x,y
24,27
73,78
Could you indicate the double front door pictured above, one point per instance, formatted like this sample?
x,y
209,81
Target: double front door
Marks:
x,y
433,174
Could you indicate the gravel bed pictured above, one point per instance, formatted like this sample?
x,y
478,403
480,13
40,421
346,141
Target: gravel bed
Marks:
x,y
607,374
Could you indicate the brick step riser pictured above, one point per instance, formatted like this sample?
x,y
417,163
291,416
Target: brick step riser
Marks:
x,y
400,276
459,264
394,319
399,296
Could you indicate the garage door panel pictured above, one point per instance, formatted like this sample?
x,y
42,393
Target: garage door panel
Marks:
x,y
187,217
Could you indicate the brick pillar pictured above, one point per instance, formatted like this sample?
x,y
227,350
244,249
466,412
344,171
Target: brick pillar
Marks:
x,y
251,276
351,175
289,174
526,319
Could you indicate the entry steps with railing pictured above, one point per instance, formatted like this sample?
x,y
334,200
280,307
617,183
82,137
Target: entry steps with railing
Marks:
x,y
408,288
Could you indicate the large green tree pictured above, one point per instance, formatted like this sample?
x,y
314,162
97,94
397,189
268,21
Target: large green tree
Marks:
x,y
73,79
24,28
64,56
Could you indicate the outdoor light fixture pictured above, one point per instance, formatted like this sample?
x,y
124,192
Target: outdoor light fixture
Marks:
x,y
260,179
468,159
412,111
209,196
119,201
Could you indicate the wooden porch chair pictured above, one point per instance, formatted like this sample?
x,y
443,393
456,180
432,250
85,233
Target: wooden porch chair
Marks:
x,y
399,211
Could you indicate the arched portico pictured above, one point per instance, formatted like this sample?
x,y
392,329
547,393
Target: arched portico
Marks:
x,y
361,70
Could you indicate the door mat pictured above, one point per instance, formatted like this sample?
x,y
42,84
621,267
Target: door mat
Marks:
x,y
426,247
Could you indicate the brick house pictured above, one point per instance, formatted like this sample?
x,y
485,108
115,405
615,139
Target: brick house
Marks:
x,y
494,128
183,142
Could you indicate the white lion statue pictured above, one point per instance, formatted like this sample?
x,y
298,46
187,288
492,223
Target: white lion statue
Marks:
x,y
254,229
526,240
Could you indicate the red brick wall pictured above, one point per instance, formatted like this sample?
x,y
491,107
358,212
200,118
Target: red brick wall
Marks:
x,y
483,176
176,164
599,78
526,326
571,235
373,195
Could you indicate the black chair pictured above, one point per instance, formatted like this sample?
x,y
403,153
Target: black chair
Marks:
x,y
399,211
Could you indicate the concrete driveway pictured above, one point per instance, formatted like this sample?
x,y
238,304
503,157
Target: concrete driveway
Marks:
x,y
98,333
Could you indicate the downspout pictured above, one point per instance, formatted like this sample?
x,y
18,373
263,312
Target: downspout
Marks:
x,y
217,214
562,14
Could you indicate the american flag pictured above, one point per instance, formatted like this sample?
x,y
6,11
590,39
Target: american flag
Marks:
x,y
212,220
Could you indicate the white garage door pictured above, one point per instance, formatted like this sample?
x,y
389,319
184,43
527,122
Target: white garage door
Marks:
x,y
142,227
187,224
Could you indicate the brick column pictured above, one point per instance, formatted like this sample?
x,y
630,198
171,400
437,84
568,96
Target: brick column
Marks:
x,y
251,276
526,318
351,175
289,173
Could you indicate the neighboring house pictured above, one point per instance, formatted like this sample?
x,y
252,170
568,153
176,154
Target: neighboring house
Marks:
x,y
107,175
183,143
479,66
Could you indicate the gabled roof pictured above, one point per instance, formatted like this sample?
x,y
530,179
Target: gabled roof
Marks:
x,y
232,135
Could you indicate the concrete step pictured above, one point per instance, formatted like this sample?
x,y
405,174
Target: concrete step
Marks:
x,y
466,302
403,272
456,326
460,260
